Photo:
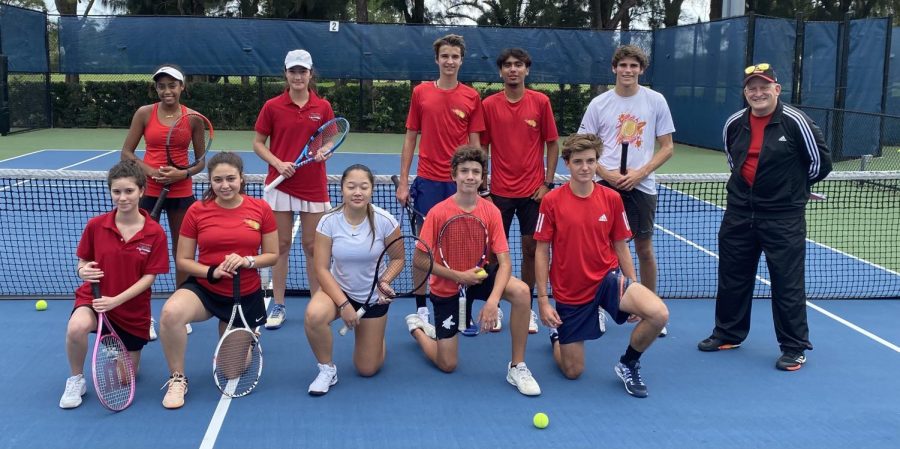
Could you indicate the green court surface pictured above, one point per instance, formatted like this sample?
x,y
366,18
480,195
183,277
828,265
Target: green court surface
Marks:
x,y
687,159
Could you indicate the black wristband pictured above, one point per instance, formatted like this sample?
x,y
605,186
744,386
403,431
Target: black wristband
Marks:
x,y
209,274
341,307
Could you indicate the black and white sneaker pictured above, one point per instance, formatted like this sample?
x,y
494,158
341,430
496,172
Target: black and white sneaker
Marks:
x,y
631,376
790,361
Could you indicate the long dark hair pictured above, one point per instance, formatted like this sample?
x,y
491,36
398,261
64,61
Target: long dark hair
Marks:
x,y
370,212
224,157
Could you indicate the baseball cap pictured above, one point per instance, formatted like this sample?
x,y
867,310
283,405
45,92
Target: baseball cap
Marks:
x,y
298,57
169,70
762,70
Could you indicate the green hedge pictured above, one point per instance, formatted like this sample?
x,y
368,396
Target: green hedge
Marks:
x,y
382,108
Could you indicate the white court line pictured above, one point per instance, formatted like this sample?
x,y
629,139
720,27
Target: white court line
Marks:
x,y
26,181
21,155
215,423
815,307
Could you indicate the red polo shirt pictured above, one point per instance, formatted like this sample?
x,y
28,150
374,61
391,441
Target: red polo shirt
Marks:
x,y
289,127
220,232
123,263
444,118
517,133
581,232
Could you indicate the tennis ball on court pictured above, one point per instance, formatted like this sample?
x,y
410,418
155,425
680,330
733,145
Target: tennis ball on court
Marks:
x,y
40,305
481,273
541,420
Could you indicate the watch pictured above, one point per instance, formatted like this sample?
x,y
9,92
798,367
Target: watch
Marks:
x,y
550,185
252,261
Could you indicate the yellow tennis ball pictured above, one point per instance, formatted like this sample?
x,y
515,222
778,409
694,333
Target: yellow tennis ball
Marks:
x,y
481,273
40,305
541,420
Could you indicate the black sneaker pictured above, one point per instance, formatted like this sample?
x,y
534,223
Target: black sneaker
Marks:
x,y
790,361
712,344
631,376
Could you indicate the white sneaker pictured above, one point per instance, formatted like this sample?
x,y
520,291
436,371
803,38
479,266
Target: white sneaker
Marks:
x,y
326,379
276,318
423,314
499,324
414,321
153,335
521,378
663,332
602,319
75,389
189,328
532,325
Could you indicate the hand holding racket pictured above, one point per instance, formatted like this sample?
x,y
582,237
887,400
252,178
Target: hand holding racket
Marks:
x,y
320,145
112,368
415,218
187,143
402,268
463,245
237,362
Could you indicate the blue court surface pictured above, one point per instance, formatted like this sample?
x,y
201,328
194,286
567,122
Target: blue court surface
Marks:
x,y
847,395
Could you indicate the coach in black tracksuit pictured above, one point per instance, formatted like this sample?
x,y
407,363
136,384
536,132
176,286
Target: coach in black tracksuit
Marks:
x,y
776,153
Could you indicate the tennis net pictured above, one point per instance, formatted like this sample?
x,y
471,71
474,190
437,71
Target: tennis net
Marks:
x,y
852,247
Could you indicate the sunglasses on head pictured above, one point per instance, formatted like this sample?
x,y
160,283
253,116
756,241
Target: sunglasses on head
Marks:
x,y
757,68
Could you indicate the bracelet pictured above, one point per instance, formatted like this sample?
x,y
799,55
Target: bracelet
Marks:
x,y
78,271
209,274
542,296
187,174
341,307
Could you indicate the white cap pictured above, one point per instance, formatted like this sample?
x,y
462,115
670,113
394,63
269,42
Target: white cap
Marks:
x,y
298,57
171,71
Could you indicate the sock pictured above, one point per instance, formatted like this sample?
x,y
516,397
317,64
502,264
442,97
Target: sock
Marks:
x,y
554,335
420,301
631,356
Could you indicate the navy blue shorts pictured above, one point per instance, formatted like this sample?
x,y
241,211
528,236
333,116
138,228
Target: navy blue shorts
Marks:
x,y
254,305
446,309
149,202
425,193
580,323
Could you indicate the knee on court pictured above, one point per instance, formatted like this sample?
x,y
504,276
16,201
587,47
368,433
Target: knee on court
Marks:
x,y
572,371
446,366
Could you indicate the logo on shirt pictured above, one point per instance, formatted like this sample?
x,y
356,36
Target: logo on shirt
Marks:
x,y
603,218
315,116
530,122
253,224
630,129
782,139
144,248
459,113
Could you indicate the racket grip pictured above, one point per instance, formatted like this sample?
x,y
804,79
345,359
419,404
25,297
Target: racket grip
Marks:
x,y
274,183
463,319
359,314
157,208
95,290
623,166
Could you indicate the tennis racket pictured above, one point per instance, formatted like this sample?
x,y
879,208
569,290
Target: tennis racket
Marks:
x,y
396,273
111,364
463,245
323,142
414,216
238,361
194,132
623,162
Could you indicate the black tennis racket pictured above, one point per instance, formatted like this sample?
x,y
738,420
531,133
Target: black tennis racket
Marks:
x,y
623,163
402,268
463,245
187,143
238,360
415,218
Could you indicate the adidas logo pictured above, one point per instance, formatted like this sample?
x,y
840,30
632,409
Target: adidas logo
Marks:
x,y
603,218
782,139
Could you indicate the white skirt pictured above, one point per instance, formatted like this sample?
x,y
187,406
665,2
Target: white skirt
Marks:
x,y
282,202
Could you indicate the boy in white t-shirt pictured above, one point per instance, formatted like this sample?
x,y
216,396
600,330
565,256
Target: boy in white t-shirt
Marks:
x,y
640,117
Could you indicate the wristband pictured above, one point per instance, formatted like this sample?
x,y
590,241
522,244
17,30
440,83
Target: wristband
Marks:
x,y
341,307
209,274
187,174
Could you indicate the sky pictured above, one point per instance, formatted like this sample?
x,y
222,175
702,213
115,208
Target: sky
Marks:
x,y
691,9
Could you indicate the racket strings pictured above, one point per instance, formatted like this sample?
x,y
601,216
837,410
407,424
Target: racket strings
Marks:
x,y
403,269
182,149
462,243
238,363
115,373
330,136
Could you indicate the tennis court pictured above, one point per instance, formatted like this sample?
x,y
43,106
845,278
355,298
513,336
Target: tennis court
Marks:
x,y
846,396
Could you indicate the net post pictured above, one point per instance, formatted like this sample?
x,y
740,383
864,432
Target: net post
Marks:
x,y
4,95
